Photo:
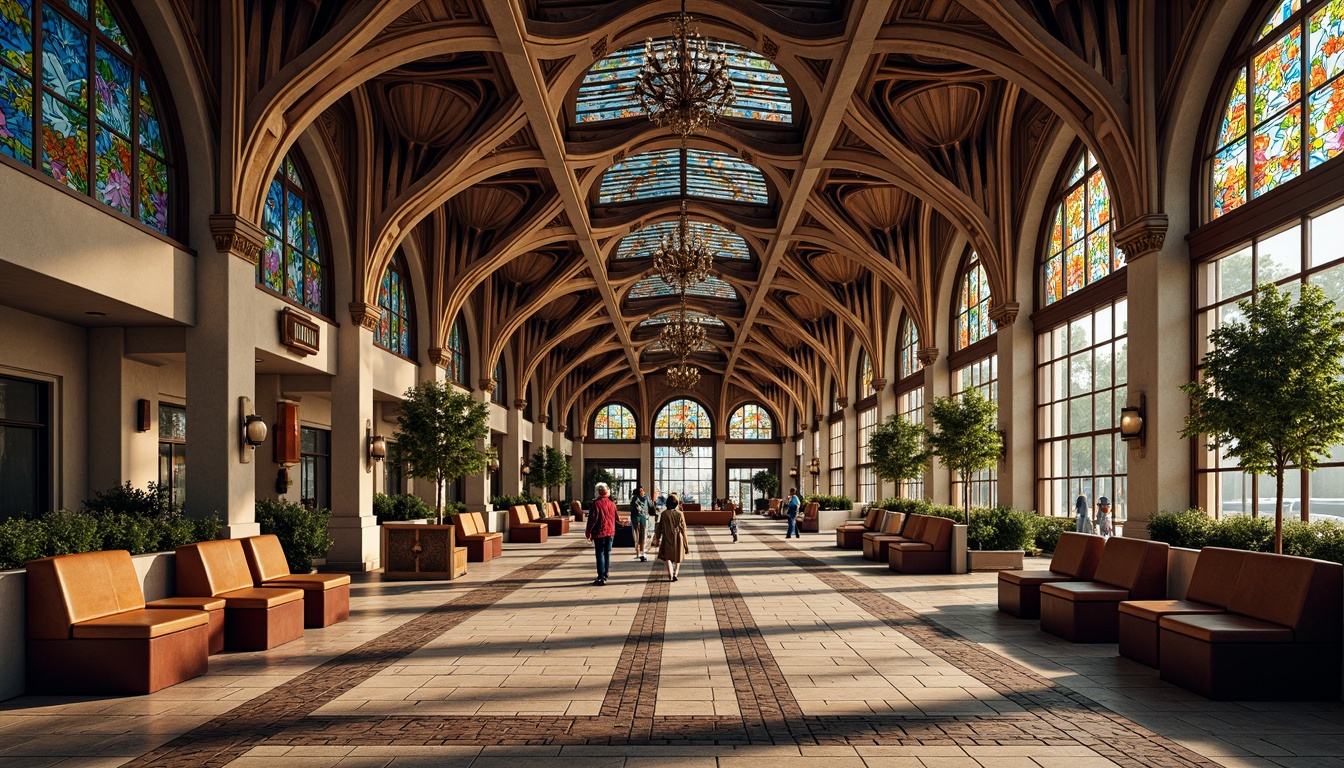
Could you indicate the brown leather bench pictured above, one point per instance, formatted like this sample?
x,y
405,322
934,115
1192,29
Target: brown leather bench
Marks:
x,y
1278,640
772,508
711,517
1075,559
576,510
809,523
931,553
894,528
850,535
555,524
482,545
1210,591
523,529
89,630
1088,611
255,618
326,596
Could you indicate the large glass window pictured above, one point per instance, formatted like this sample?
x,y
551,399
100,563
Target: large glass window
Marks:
x,y
751,422
614,422
837,462
642,243
740,490
25,454
691,476
291,261
173,451
700,173
683,414
1080,250
867,477
710,287
623,487
865,376
457,355
973,323
103,138
394,320
315,467
910,406
983,375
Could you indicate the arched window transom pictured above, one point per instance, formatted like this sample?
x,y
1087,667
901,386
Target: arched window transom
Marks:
x,y
614,422
1080,250
973,323
909,348
394,321
457,355
751,422
681,415
291,257
865,375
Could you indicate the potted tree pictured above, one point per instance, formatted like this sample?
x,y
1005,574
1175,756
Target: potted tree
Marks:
x,y
967,442
591,477
550,469
899,450
766,483
1271,393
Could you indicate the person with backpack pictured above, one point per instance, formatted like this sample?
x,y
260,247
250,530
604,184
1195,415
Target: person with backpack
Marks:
x,y
791,506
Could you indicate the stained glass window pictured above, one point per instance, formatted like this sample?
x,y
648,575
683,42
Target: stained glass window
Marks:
x,y
751,422
614,422
457,355
1284,112
102,138
663,173
608,90
865,376
500,393
394,320
712,287
683,414
291,261
973,323
641,244
910,363
1080,250
663,318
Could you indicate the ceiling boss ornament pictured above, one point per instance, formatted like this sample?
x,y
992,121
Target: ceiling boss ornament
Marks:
x,y
684,84
684,257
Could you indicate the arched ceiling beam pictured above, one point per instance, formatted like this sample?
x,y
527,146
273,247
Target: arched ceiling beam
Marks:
x,y
587,322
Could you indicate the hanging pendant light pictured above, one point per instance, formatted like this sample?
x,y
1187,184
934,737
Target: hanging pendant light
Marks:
x,y
684,84
684,258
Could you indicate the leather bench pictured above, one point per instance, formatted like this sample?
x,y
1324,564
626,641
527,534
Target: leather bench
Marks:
x,y
1278,640
555,524
1210,591
89,630
1088,611
523,529
773,506
255,618
576,510
809,523
326,596
482,545
1075,559
850,535
691,506
894,528
716,517
931,553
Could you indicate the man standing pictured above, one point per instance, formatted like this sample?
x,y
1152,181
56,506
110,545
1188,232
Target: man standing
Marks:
x,y
791,509
601,529
639,521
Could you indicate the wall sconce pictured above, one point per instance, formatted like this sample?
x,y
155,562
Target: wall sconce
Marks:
x,y
377,446
142,416
493,453
1132,424
793,472
253,432
525,469
814,466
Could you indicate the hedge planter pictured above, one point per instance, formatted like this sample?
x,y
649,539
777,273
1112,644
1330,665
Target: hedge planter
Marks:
x,y
995,560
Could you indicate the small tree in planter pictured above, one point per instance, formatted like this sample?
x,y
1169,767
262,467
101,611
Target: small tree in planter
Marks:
x,y
766,483
966,441
591,477
550,468
437,434
898,450
1271,393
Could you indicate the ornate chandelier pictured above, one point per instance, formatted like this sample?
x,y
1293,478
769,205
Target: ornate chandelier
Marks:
x,y
683,376
684,85
682,336
682,442
684,257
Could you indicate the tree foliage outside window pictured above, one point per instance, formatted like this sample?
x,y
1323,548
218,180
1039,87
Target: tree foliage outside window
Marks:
x,y
1271,394
898,449
437,437
550,469
766,482
967,440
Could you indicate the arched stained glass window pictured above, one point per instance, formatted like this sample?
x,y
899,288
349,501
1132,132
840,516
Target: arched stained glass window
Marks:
x,y
608,90
500,393
652,287
614,422
973,323
909,348
683,414
97,117
457,355
394,320
1285,107
642,244
291,257
1080,250
751,422
865,375
660,173
663,318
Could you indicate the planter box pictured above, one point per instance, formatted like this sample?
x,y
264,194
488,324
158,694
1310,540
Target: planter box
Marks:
x,y
830,519
421,551
995,560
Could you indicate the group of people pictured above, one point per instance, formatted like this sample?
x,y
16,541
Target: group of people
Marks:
x,y
1103,524
669,534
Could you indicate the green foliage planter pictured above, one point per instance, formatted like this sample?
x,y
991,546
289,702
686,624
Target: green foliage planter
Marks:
x,y
302,531
997,538
829,502
1046,531
398,508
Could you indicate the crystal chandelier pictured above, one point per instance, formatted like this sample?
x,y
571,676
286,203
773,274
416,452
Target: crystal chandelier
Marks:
x,y
682,336
683,376
684,257
682,442
685,84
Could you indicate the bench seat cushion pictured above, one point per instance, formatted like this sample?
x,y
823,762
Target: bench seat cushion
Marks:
x,y
321,581
189,603
1032,577
140,624
1085,592
1227,628
912,546
1153,610
261,597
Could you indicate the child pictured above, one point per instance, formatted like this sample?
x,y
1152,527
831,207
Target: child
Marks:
x,y
732,526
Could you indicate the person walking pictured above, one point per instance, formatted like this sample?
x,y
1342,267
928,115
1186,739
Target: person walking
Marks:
x,y
791,509
670,537
601,529
1084,524
639,521
1105,526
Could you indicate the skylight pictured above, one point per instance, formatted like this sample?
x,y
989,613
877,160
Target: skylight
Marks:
x,y
663,318
641,244
652,287
659,173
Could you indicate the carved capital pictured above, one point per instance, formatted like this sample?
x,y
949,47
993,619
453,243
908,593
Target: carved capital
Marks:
x,y
841,403
721,438
645,438
238,236
487,385
927,355
1004,314
562,429
879,385
1142,236
439,356
365,315
520,404
543,418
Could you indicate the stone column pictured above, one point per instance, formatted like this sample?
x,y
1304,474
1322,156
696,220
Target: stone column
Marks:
x,y
1016,407
353,526
511,453
937,383
477,486
720,469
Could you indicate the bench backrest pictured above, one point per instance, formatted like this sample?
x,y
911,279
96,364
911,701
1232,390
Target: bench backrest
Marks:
x,y
464,524
810,511
265,558
518,515
211,568
937,534
1215,578
1077,555
532,513
870,521
914,526
73,588
1136,565
892,524
1301,594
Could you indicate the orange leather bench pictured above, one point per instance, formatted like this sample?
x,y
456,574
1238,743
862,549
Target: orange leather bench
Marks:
x,y
894,528
1075,559
718,517
772,508
555,524
850,535
89,630
482,545
523,529
255,618
809,523
326,596
1278,640
1088,611
931,553
1210,591
576,510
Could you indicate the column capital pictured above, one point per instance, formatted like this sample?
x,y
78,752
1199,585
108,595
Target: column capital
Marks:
x,y
842,403
879,385
364,315
927,355
562,428
646,438
520,403
439,356
1142,236
543,418
1004,314
487,385
236,235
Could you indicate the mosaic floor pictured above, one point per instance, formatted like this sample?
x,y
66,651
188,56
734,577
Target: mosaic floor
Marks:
x,y
766,652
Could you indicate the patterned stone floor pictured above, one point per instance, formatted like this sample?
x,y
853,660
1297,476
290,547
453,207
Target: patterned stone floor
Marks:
x,y
766,652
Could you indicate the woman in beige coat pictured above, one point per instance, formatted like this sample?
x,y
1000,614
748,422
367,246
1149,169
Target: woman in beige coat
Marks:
x,y
670,537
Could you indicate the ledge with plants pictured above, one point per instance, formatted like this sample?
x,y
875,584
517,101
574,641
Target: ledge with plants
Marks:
x,y
828,502
1194,529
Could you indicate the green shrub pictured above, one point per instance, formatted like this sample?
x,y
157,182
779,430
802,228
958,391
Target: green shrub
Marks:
x,y
302,531
453,508
69,533
1000,528
829,502
156,499
1046,531
1243,532
1322,540
955,514
400,507
504,502
906,506
1190,528
21,540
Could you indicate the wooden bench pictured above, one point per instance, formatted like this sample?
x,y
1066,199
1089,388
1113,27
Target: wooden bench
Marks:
x,y
481,544
1088,611
894,528
523,529
89,630
930,553
255,618
850,535
555,524
1278,640
1210,591
809,523
773,506
707,516
1075,559
326,596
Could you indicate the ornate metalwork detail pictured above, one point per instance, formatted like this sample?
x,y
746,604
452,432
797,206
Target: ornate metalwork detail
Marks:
x,y
682,442
683,376
685,84
684,257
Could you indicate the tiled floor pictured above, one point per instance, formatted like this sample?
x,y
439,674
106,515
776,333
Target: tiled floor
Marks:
x,y
766,652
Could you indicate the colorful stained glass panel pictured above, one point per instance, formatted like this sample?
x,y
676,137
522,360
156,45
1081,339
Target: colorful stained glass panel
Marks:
x,y
1057,231
272,273
1054,283
614,422
1277,146
16,116
292,173
151,132
312,285
294,221
65,63
113,173
1098,255
712,287
1234,115
1098,201
724,244
682,414
1278,75
272,216
646,175
1074,216
1325,138
65,144
1229,179
751,422
294,275
153,192
107,24
663,318
112,89
79,6
1075,269
721,176
16,34
1277,15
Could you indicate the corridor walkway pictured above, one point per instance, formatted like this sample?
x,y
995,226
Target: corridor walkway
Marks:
x,y
766,652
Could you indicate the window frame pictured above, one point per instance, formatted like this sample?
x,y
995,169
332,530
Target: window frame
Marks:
x,y
592,424
44,429
172,442
313,203
774,430
398,265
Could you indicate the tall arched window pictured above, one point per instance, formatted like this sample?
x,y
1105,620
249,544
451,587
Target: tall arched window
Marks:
x,y
910,394
291,262
910,364
688,472
103,138
1284,110
457,355
499,394
973,323
865,375
975,368
751,422
614,421
1079,248
394,321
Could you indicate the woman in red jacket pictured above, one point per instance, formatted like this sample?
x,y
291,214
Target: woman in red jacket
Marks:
x,y
601,529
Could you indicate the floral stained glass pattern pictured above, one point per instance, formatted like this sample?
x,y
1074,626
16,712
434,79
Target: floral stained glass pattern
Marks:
x,y
107,24
909,348
16,116
1229,179
113,156
614,422
112,88
973,322
680,415
1325,36
290,263
1278,75
393,330
1234,116
16,35
1278,14
751,422
1079,250
1277,151
65,144
1326,136
65,63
